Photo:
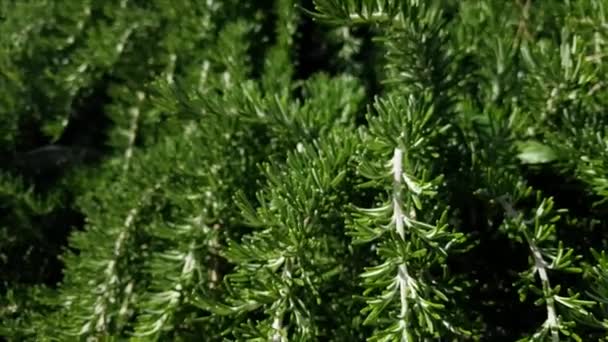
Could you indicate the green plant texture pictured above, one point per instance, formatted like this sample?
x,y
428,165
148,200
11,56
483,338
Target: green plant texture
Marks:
x,y
315,170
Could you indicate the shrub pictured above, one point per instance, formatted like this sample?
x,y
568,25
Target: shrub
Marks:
x,y
303,171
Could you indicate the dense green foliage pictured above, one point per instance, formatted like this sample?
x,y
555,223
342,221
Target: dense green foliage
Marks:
x,y
282,170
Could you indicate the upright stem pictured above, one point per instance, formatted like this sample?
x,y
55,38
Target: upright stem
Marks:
x,y
277,323
110,272
397,162
214,271
134,112
398,219
541,266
